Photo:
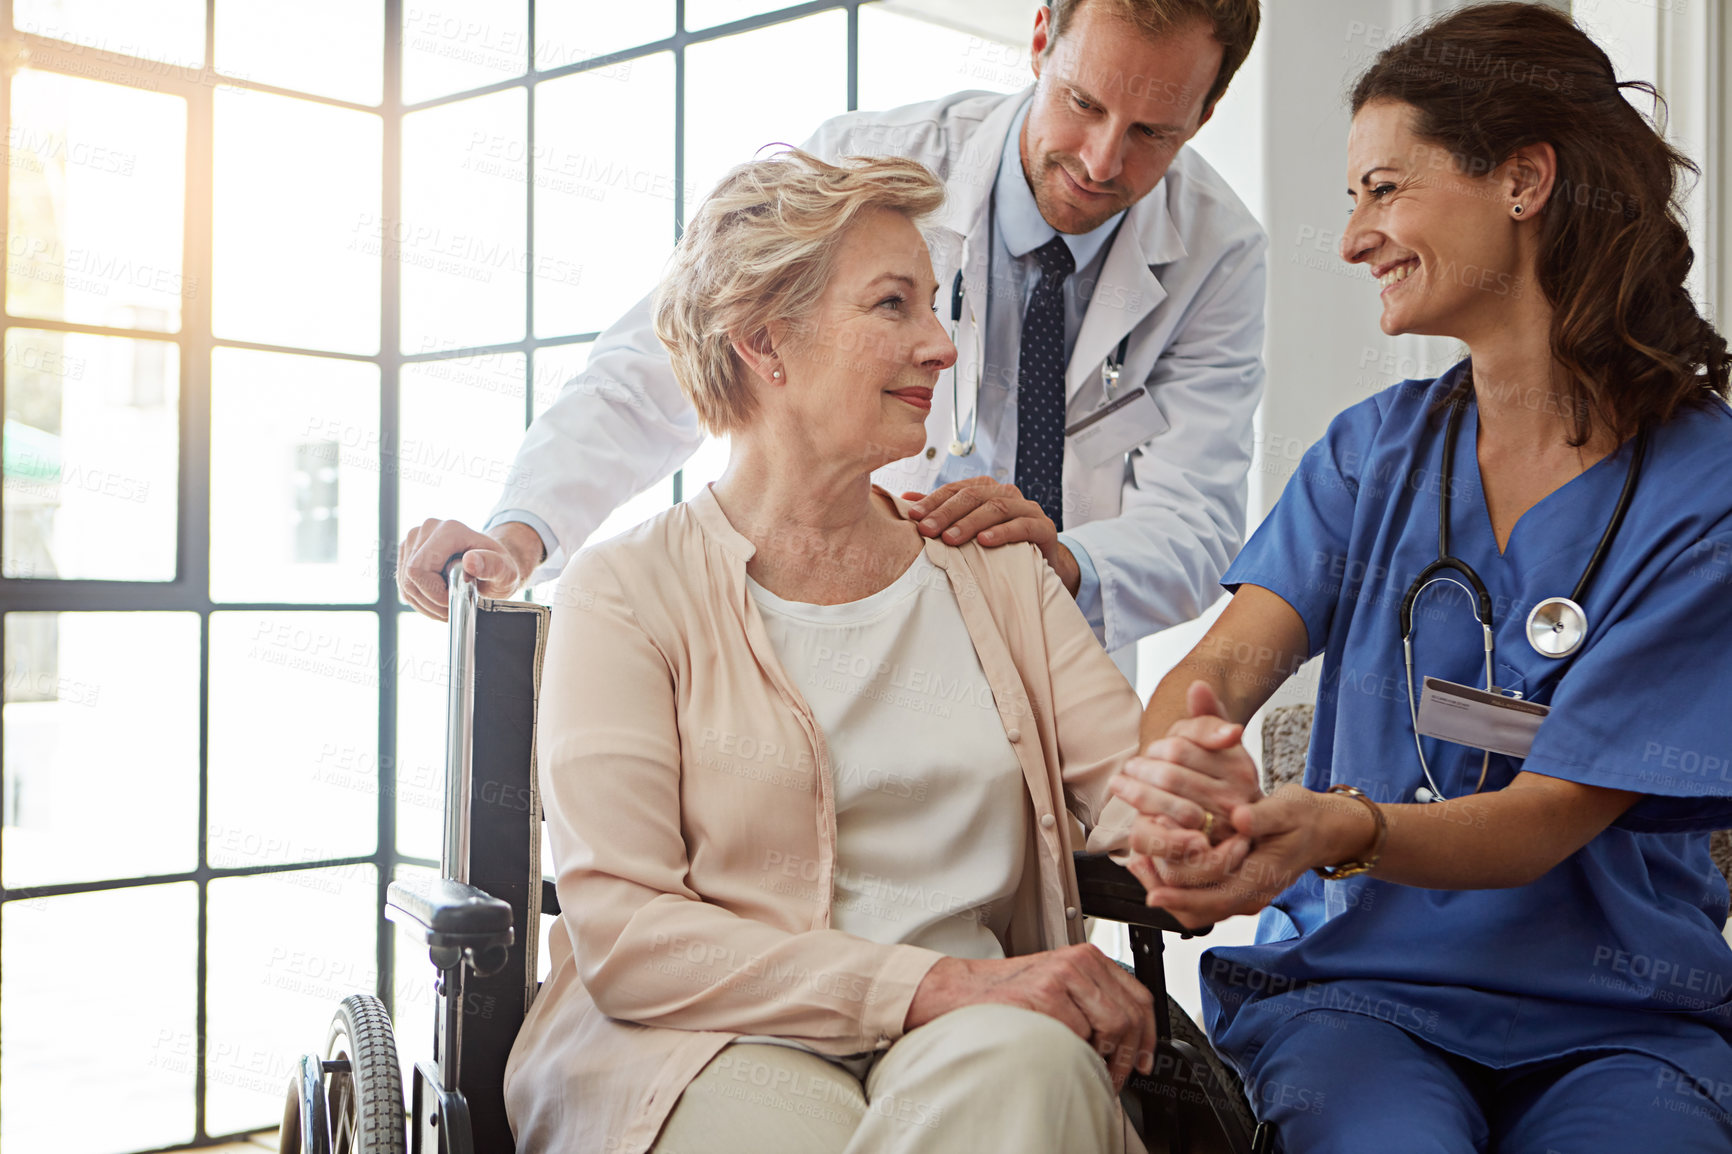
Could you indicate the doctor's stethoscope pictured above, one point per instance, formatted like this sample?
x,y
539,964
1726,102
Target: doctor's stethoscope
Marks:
x,y
1555,628
962,447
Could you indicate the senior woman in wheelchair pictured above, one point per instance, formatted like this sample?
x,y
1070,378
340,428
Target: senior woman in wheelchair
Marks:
x,y
808,776
1515,945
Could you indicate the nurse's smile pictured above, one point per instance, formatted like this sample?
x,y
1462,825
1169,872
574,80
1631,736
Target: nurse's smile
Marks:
x,y
1393,275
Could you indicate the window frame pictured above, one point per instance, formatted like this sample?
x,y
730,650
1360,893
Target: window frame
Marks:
x,y
189,591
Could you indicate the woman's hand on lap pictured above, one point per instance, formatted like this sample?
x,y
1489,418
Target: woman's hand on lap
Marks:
x,y
1097,999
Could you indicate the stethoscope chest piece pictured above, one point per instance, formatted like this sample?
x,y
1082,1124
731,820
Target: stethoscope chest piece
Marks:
x,y
1556,627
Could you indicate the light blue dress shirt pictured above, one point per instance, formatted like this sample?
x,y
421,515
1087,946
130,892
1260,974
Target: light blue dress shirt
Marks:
x,y
1018,229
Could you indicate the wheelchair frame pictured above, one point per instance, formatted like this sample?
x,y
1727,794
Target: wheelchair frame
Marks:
x,y
492,883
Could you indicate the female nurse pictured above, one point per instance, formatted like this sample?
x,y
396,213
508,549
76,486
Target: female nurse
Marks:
x,y
1515,943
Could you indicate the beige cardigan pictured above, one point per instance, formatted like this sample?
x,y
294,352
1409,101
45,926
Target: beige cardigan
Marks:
x,y
691,813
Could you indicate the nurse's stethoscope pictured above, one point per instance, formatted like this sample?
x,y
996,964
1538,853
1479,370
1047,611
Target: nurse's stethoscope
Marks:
x,y
961,446
1556,627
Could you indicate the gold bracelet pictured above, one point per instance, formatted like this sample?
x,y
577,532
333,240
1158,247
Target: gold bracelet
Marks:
x,y
1369,861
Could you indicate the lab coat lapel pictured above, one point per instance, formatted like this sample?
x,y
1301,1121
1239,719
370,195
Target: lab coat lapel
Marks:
x,y
1128,289
963,234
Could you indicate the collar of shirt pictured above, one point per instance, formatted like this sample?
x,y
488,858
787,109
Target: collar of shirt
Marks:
x,y
1021,226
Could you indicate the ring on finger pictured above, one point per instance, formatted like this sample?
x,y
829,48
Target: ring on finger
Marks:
x,y
1209,824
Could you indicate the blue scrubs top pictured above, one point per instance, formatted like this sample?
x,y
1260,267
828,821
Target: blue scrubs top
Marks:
x,y
1617,947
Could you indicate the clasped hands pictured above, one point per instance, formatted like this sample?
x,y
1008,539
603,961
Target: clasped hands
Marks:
x,y
1207,842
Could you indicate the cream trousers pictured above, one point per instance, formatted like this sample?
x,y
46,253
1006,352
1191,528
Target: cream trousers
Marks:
x,y
984,1077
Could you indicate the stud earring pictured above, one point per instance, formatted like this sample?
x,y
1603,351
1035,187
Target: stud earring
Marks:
x,y
1518,210
777,374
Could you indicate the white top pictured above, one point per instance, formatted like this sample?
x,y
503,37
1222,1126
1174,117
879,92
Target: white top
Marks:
x,y
931,809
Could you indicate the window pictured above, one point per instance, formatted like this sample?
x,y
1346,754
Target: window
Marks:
x,y
281,280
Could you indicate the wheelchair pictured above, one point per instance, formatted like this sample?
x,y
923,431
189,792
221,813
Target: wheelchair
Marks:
x,y
479,923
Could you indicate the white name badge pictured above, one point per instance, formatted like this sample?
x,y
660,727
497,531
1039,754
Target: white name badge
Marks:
x,y
1469,716
1116,427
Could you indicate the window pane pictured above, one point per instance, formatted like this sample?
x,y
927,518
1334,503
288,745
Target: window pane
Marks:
x,y
459,441
604,192
704,466
101,746
904,60
166,30
566,33
335,48
95,209
97,1021
423,681
297,228
413,1005
293,737
460,241
294,478
90,448
737,93
456,45
709,13
555,365
284,950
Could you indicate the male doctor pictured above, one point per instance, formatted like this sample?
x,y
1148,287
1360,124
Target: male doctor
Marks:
x,y
1109,335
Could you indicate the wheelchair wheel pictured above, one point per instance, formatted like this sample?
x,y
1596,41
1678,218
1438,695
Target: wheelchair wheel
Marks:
x,y
1225,1093
364,1103
1193,1102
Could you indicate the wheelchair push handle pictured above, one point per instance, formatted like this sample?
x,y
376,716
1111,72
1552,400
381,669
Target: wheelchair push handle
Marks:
x,y
463,607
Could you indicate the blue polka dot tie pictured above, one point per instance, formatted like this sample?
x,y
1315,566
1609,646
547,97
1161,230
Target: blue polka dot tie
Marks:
x,y
1040,385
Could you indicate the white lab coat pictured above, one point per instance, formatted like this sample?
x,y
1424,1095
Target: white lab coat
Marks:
x,y
1184,278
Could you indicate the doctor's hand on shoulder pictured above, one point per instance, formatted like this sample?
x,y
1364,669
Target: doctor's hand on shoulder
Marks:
x,y
499,561
984,510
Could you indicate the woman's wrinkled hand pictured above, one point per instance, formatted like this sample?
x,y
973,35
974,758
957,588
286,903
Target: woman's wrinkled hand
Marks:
x,y
1185,788
1280,833
1078,985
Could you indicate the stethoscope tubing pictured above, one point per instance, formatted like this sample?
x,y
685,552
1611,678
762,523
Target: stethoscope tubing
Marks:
x,y
1447,564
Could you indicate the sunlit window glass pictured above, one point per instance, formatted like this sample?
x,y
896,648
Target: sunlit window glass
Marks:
x,y
904,60
90,450
455,45
555,365
460,241
101,744
423,685
567,33
295,460
298,233
760,106
285,948
462,422
164,31
330,47
94,210
293,737
604,192
75,1032
709,13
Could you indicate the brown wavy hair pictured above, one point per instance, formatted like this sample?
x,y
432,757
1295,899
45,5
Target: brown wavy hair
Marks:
x,y
1488,80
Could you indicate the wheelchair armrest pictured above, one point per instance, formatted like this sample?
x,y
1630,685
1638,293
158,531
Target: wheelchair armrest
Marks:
x,y
1111,891
442,912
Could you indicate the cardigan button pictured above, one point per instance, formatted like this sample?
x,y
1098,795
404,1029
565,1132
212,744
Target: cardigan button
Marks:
x,y
931,453
1047,821
1070,912
1013,734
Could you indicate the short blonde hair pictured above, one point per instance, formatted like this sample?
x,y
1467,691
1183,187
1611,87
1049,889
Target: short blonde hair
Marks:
x,y
760,250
